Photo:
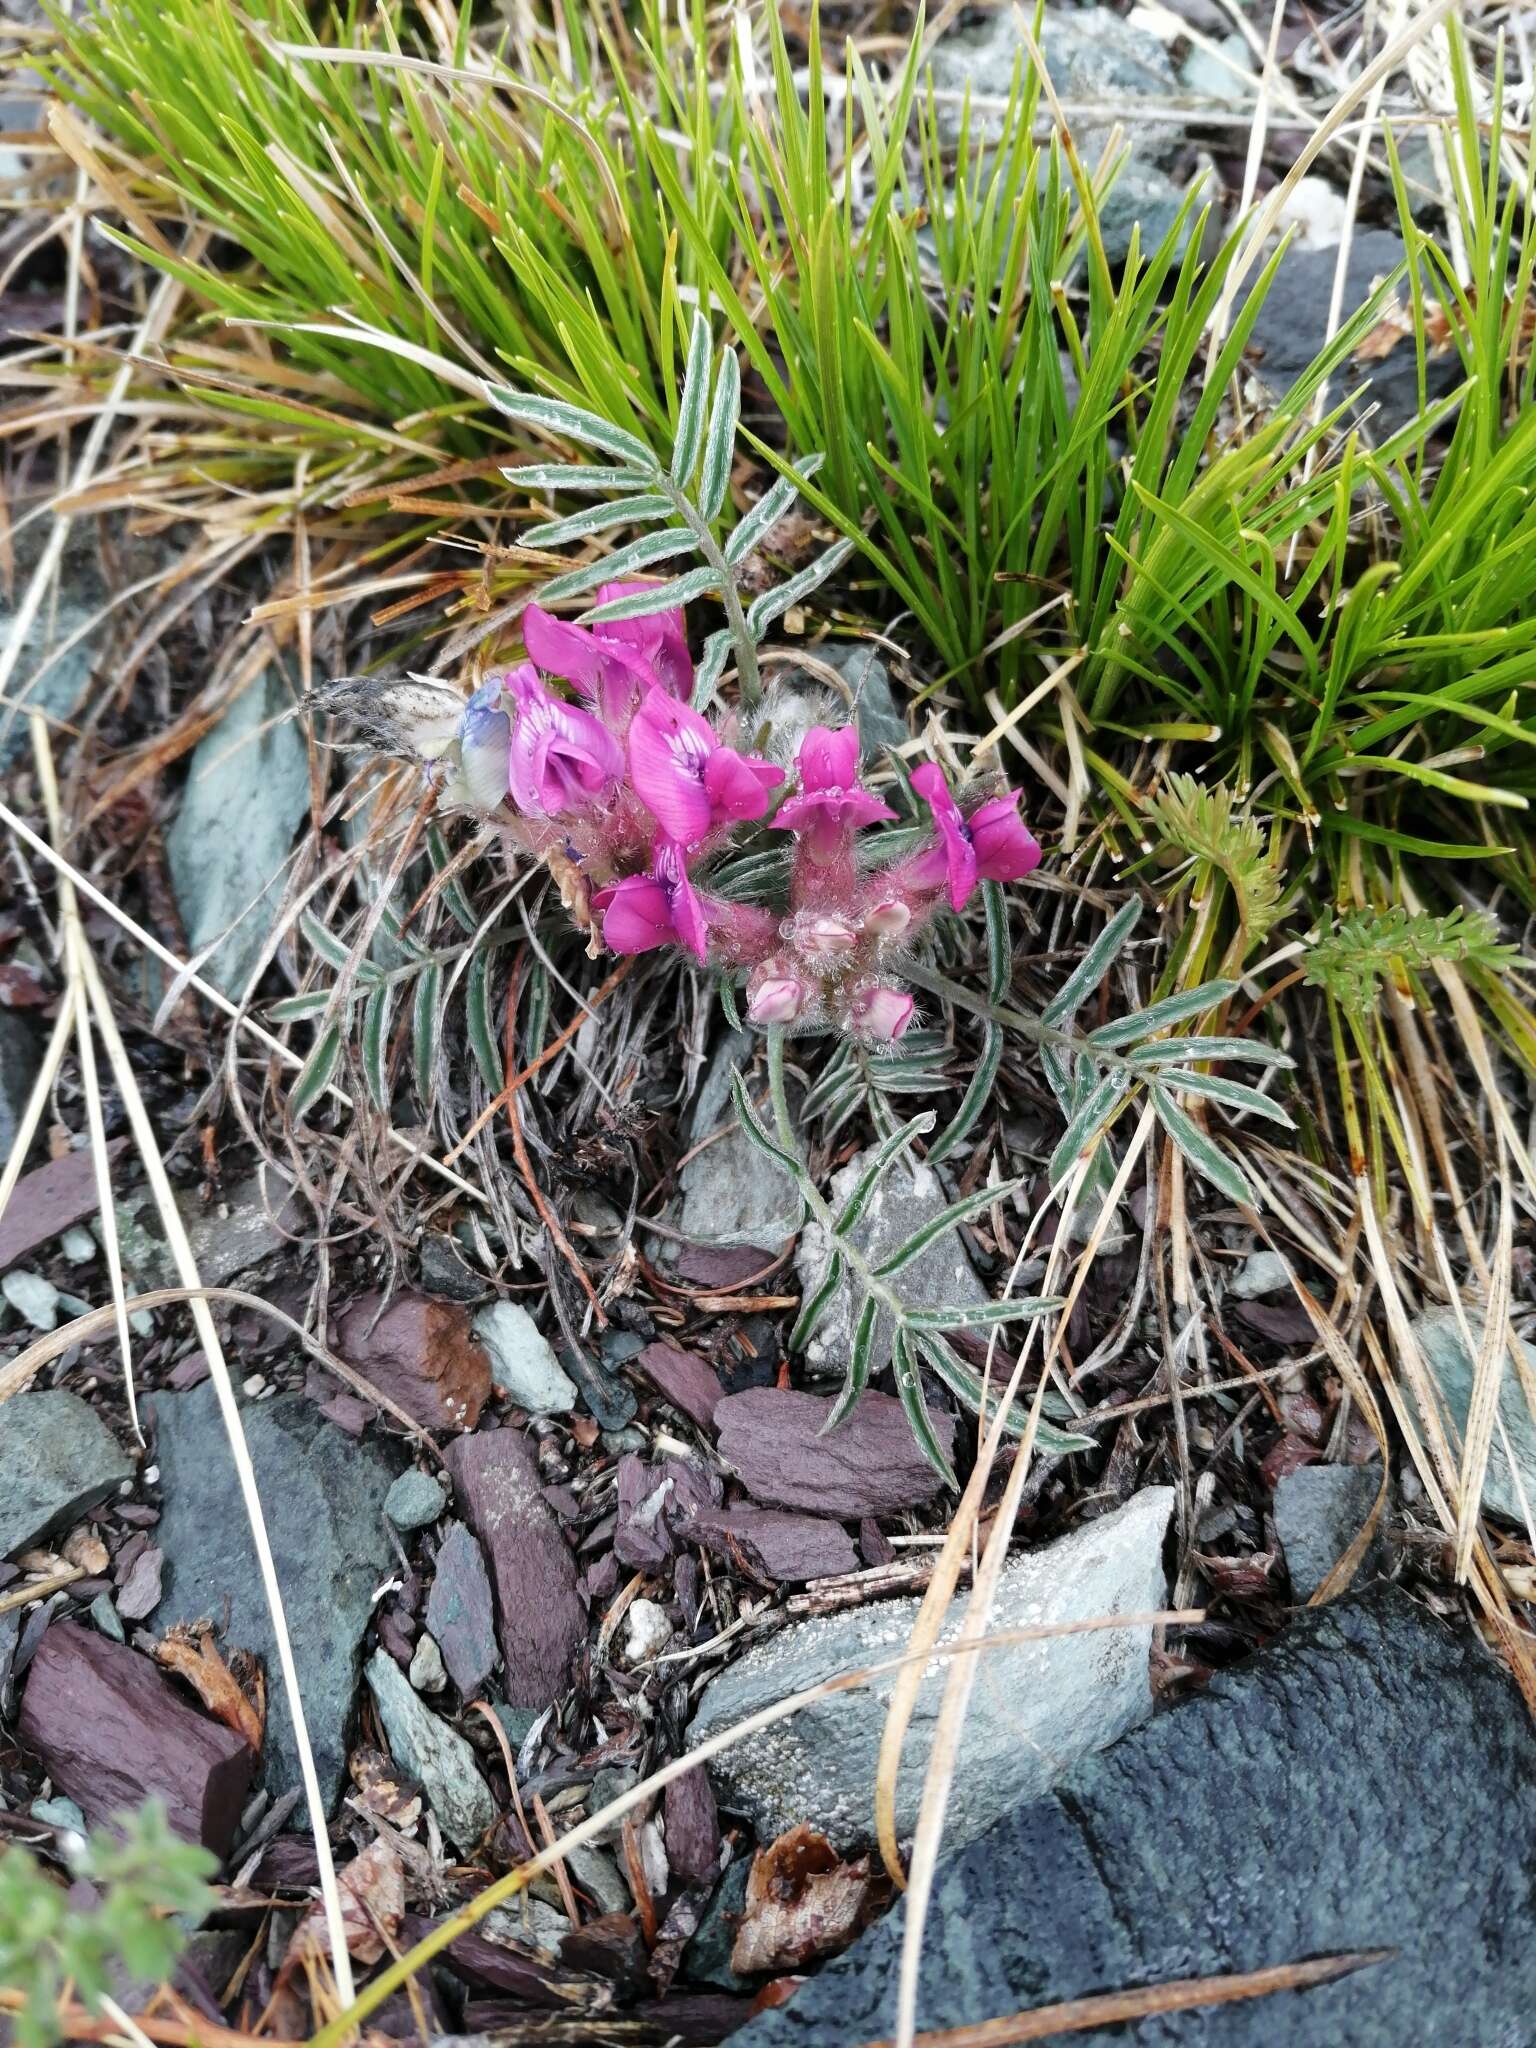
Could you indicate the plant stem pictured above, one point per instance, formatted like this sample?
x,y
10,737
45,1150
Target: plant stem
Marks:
x,y
748,676
784,1131
1013,1020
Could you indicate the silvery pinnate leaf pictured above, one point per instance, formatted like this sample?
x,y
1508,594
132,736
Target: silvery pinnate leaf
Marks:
x,y
774,603
572,421
691,406
1094,965
720,441
643,553
555,533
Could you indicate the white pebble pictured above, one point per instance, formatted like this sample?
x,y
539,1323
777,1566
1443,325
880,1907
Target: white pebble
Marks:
x,y
34,1299
647,1631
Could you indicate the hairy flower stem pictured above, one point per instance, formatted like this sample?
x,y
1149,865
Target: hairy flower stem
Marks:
x,y
748,677
784,1130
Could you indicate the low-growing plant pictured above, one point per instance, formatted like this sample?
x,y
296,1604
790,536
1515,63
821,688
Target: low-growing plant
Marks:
x,y
147,1881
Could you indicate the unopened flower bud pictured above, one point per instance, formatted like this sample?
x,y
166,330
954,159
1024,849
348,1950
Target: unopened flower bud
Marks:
x,y
881,1014
888,920
824,935
776,999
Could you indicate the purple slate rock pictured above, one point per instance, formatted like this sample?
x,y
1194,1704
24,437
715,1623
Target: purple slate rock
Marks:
x,y
785,1548
49,1199
654,1500
689,1382
692,1827
869,1465
460,1613
113,1732
542,1620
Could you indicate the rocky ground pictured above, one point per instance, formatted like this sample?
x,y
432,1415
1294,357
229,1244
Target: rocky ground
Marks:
x,y
520,1571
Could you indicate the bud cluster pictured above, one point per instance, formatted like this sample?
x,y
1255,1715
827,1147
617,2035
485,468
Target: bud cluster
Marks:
x,y
623,785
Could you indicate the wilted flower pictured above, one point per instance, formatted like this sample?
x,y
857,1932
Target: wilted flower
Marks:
x,y
560,758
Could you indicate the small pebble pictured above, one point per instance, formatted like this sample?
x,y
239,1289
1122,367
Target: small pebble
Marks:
x,y
426,1672
646,1631
618,1441
58,1812
141,1322
255,1385
523,1365
78,1245
105,1616
415,1499
34,1299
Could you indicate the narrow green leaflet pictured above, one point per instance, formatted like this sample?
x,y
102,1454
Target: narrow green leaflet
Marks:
x,y
909,1387
977,1096
426,1030
1167,1050
858,1365
729,1005
1193,1002
643,553
1216,1087
293,1009
556,417
999,941
596,519
958,1212
1095,1111
452,891
690,410
971,1387
482,1025
769,510
1202,1152
774,603
658,597
332,950
816,1303
971,1316
720,441
870,1178
1094,965
706,677
757,1130
315,1074
375,1047
577,476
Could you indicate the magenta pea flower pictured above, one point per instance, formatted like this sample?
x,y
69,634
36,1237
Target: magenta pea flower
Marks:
x,y
658,638
993,844
560,758
646,911
831,802
686,779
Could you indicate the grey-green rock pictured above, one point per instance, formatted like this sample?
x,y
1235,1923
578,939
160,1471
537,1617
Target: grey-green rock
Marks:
x,y
323,1496
1368,1782
415,1499
20,1056
523,1364
732,1193
1451,1365
58,1458
433,1753
1319,1511
1036,1709
246,794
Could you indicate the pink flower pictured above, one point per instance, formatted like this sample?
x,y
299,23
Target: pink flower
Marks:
x,y
881,1014
888,918
614,662
832,803
560,757
658,638
776,996
646,911
688,781
992,845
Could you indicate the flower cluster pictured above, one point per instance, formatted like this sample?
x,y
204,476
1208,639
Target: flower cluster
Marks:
x,y
624,787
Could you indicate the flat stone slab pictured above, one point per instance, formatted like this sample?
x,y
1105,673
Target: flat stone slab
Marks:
x,y
434,1754
324,1500
57,1458
1037,1707
1369,1781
